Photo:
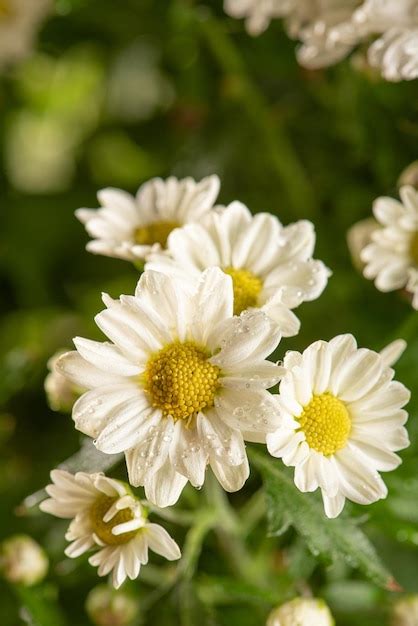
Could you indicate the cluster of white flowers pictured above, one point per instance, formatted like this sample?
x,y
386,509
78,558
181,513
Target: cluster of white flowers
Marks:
x,y
329,29
19,23
184,380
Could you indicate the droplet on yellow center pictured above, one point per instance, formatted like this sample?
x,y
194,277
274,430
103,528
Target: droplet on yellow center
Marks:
x,y
104,529
181,381
247,287
413,248
326,424
155,232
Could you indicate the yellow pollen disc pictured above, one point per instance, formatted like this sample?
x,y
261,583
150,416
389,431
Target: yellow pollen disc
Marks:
x,y
247,287
181,381
413,248
155,232
326,424
104,529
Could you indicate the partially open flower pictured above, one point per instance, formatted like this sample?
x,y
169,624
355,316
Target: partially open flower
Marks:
x,y
22,560
106,517
358,237
111,607
61,393
301,612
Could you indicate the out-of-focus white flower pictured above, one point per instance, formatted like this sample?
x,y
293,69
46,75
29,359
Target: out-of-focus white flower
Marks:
x,y
107,517
271,266
301,612
19,24
396,54
22,560
111,607
405,612
392,257
61,393
358,237
129,227
259,13
181,386
341,420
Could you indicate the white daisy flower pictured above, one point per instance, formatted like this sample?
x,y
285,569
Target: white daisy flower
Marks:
x,y
301,612
107,518
19,23
130,227
392,257
180,387
271,265
341,420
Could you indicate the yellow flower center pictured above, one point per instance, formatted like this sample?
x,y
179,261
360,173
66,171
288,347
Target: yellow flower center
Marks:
x,y
247,287
326,424
104,529
181,381
413,248
155,232
5,9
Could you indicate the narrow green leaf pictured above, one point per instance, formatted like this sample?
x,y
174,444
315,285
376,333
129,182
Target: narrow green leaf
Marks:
x,y
326,539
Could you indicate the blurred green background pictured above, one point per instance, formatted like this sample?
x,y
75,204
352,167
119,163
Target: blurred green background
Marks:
x,y
117,93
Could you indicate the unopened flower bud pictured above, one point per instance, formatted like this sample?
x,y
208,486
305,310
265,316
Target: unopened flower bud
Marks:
x,y
110,607
61,393
301,612
358,237
409,176
405,612
22,560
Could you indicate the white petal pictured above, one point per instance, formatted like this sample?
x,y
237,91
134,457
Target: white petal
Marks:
x,y
82,373
106,357
188,454
160,542
333,505
212,303
150,455
248,410
393,352
129,426
164,487
232,478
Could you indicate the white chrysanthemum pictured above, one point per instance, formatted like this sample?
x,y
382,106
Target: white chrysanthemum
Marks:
x,y
341,420
129,227
405,612
392,257
180,387
108,518
301,612
396,54
271,266
19,23
259,13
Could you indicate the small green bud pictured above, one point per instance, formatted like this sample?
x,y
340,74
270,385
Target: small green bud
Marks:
x,y
106,606
22,560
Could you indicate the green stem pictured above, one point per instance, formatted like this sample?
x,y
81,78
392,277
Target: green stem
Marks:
x,y
284,157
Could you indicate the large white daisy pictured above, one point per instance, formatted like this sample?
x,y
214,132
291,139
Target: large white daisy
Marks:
x,y
180,387
271,265
391,259
19,23
341,420
107,518
130,227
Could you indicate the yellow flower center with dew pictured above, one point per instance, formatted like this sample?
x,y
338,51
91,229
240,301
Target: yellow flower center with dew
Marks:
x,y
104,529
154,232
413,248
326,423
247,287
181,381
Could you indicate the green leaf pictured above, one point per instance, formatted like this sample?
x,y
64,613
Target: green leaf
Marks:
x,y
40,605
327,539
